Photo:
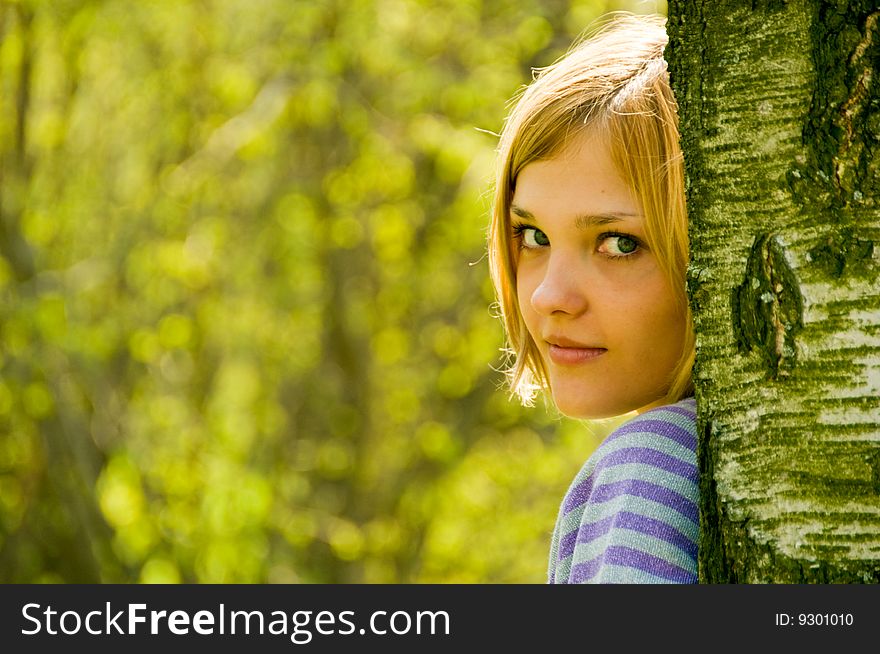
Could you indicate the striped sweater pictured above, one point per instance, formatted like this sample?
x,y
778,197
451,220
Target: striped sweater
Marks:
x,y
630,515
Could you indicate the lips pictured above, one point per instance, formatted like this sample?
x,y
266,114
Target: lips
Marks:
x,y
566,352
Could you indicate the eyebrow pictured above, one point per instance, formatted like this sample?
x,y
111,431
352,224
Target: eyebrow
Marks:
x,y
582,221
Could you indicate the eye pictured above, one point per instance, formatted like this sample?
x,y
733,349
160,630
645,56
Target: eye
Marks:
x,y
530,237
618,245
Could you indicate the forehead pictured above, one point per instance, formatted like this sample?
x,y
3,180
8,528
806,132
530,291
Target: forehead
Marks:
x,y
581,179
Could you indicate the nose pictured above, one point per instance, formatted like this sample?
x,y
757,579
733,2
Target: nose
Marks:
x,y
561,290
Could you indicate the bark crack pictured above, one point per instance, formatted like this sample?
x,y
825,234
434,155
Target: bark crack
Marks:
x,y
767,308
856,103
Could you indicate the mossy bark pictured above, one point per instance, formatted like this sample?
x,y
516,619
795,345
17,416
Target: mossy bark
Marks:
x,y
780,119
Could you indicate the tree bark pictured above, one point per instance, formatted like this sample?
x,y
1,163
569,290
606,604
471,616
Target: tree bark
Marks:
x,y
780,118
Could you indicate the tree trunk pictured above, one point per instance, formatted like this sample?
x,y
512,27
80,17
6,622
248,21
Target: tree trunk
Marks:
x,y
780,121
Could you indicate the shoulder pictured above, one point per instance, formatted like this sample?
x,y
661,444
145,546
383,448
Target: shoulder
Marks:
x,y
671,428
631,514
682,414
656,448
646,492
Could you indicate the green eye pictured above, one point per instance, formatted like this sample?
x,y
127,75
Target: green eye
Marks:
x,y
535,238
530,237
626,245
618,245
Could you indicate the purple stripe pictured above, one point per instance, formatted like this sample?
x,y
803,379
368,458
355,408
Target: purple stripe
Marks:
x,y
649,491
578,495
656,428
680,410
566,544
631,558
650,457
627,520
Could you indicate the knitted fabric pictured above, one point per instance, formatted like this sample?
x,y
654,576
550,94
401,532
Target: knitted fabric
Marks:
x,y
630,515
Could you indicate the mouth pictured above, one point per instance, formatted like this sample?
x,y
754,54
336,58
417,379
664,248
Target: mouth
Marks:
x,y
565,352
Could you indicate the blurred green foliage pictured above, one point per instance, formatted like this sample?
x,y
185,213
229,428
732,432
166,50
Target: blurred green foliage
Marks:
x,y
245,324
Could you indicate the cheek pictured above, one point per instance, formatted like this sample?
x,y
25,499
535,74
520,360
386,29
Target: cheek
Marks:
x,y
669,311
656,314
668,325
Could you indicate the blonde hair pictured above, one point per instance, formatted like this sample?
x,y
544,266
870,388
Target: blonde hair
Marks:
x,y
615,80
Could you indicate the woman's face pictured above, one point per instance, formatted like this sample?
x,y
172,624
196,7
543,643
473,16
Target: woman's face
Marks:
x,y
591,293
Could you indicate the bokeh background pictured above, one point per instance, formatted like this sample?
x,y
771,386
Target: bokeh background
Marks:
x,y
246,331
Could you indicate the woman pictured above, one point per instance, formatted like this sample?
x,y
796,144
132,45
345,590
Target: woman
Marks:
x,y
588,251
